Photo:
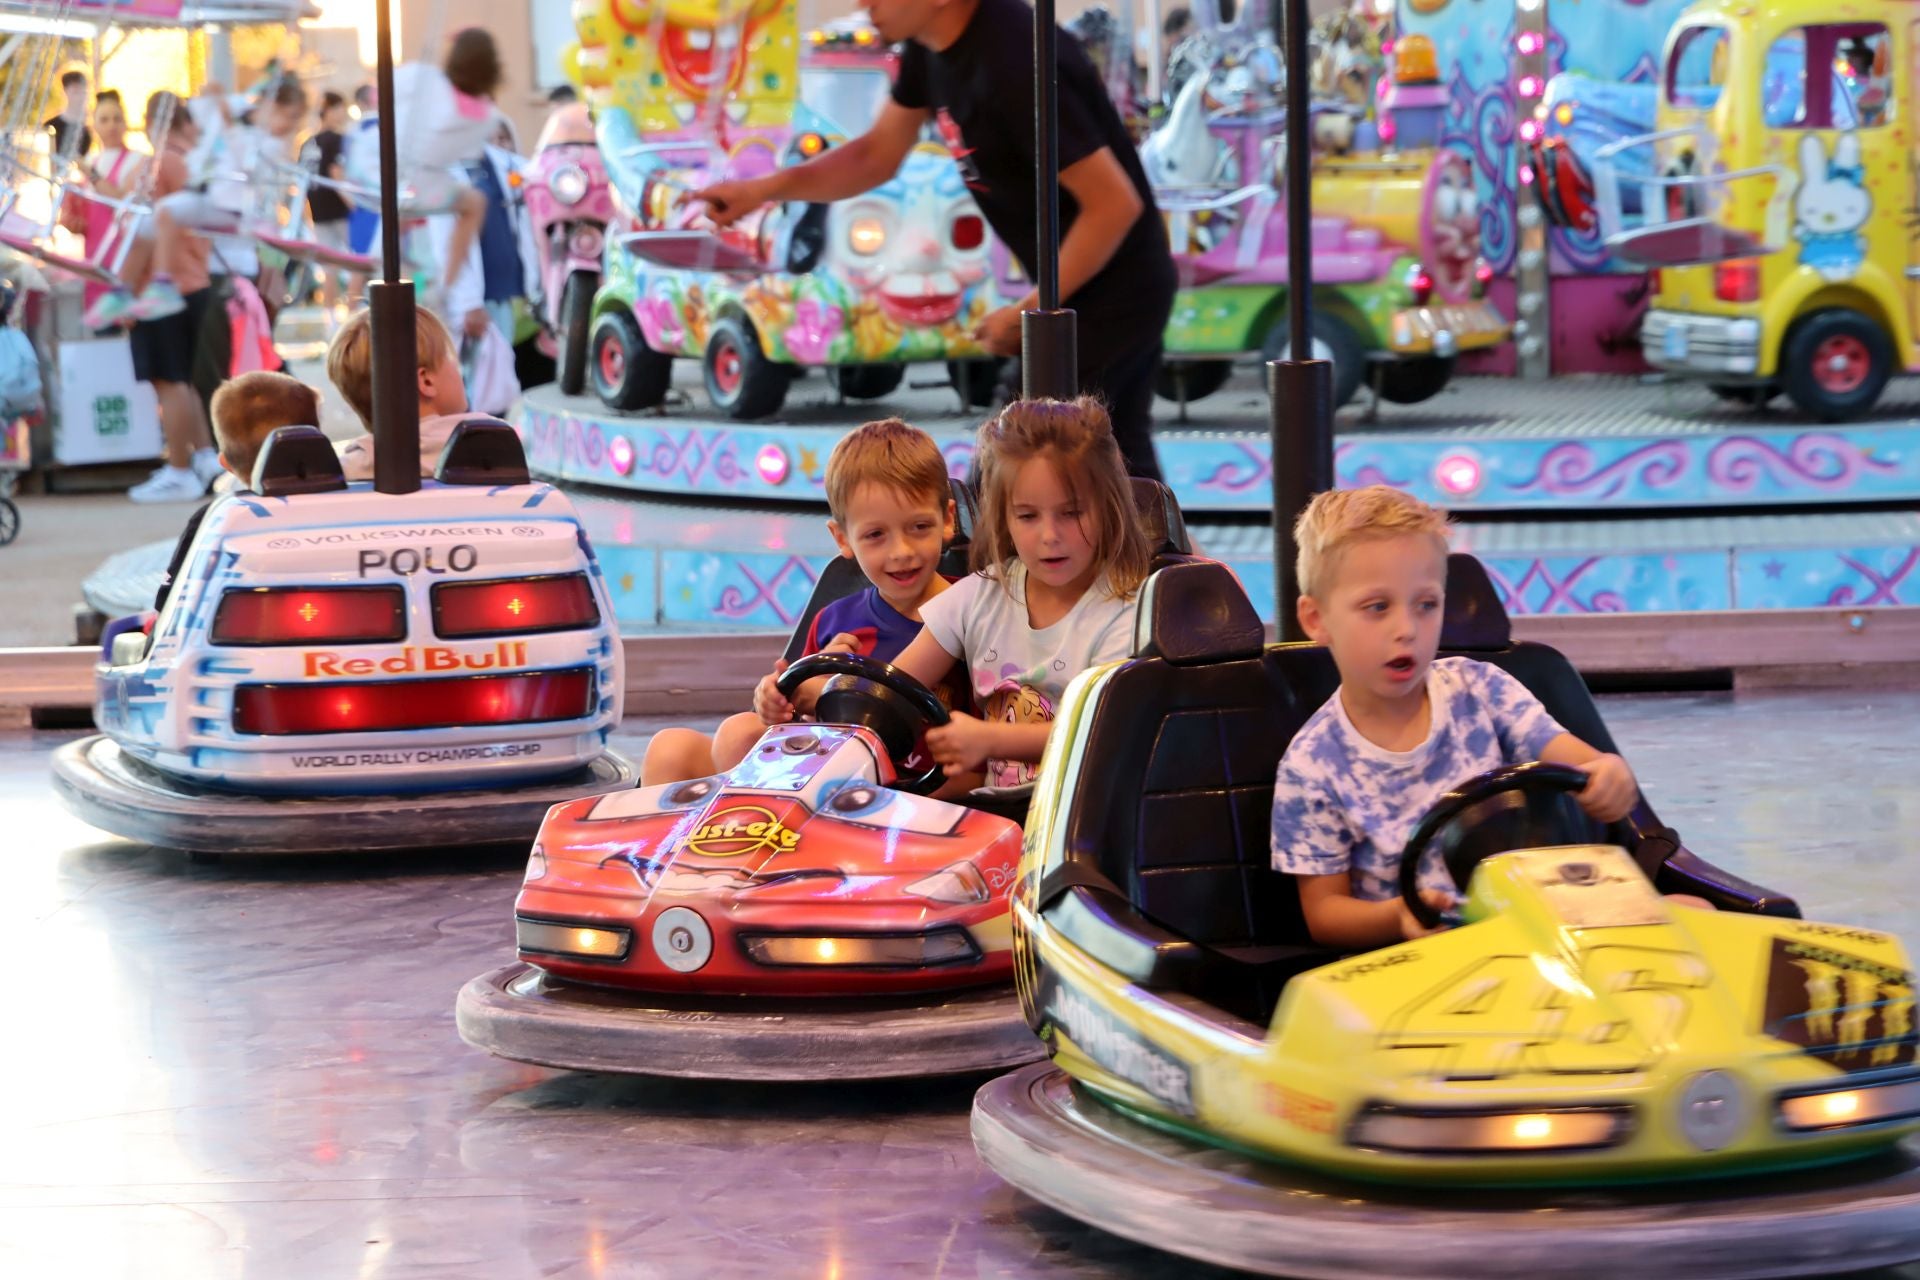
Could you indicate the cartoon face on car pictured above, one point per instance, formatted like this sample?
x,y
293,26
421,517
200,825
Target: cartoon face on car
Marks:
x,y
916,245
1452,230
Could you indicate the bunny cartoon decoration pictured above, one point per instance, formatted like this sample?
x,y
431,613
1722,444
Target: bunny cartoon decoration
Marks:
x,y
1830,206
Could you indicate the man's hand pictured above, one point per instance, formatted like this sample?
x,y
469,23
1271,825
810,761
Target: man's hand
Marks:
x,y
1611,792
728,202
1438,899
961,745
768,702
477,321
999,331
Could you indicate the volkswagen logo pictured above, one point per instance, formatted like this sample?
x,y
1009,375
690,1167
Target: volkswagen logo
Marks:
x,y
283,544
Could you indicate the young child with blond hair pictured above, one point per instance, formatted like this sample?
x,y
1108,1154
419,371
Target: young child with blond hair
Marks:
x,y
1403,728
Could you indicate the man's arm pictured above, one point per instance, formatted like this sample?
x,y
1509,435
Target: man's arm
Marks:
x,y
1109,206
846,170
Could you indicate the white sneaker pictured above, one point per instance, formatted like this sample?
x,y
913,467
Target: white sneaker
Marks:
x,y
206,466
108,311
169,484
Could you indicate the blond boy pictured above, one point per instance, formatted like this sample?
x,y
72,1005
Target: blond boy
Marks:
x,y
1402,729
890,511
443,395
246,410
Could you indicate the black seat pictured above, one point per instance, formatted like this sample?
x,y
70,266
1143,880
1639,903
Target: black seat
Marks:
x,y
482,451
842,577
297,460
1168,876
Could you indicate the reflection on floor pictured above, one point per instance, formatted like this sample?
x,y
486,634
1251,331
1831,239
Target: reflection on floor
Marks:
x,y
249,1069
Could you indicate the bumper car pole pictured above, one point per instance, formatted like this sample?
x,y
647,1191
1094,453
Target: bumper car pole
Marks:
x,y
396,401
1049,358
1299,389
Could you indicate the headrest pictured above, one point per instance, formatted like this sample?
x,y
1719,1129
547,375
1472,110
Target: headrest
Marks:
x,y
1475,618
482,451
966,513
1196,612
297,460
1160,517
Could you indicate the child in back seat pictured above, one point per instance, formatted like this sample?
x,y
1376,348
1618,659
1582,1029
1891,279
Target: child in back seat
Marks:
x,y
443,396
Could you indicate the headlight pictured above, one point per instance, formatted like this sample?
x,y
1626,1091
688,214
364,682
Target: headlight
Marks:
x,y
558,939
1853,1107
1439,1132
867,236
586,242
961,882
536,864
568,184
872,950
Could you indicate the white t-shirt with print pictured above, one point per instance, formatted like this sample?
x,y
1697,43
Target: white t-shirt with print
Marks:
x,y
1344,803
1019,672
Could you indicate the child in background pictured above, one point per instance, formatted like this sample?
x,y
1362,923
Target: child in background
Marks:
x,y
112,171
1058,562
442,118
246,410
229,182
1402,729
891,514
326,207
443,397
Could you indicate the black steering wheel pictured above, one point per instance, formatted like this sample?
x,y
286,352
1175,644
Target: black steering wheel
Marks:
x,y
1461,857
878,695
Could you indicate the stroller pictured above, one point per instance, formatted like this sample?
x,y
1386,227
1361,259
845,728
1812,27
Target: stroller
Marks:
x,y
19,395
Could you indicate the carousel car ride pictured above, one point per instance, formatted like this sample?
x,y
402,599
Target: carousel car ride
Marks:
x,y
1222,1086
338,668
808,915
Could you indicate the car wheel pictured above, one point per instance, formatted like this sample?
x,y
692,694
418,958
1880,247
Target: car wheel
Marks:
x,y
576,319
1333,339
1749,394
865,381
741,382
1835,364
977,381
1414,380
1190,380
627,373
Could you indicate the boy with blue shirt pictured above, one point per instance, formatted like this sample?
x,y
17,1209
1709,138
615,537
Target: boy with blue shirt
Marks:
x,y
1402,729
891,512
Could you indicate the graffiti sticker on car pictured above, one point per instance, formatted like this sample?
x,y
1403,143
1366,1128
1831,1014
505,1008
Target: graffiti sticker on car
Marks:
x,y
1115,1046
744,829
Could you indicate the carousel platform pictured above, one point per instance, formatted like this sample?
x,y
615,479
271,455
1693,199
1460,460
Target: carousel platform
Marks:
x,y
1591,443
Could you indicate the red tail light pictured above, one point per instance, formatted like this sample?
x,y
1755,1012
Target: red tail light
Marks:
x,y
1737,280
513,606
1653,279
310,615
373,707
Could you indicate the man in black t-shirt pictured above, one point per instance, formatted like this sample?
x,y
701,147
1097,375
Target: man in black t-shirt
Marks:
x,y
968,67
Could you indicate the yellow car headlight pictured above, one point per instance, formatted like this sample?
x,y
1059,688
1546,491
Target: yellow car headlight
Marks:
x,y
1855,1106
558,938
872,951
1474,1132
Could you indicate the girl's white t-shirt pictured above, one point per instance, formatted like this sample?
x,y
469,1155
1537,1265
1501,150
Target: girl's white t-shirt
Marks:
x,y
1019,672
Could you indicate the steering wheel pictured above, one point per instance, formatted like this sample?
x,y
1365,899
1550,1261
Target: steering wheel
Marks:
x,y
1537,777
878,695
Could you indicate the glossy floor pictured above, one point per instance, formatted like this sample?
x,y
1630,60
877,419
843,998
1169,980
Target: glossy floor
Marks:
x,y
249,1068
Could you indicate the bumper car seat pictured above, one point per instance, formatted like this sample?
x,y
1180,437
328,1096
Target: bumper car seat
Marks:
x,y
1175,889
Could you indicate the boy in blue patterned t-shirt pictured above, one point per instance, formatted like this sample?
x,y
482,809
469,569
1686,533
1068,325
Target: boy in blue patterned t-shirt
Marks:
x,y
1402,729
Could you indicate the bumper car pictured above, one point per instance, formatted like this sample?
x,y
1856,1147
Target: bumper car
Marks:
x,y
1581,1075
810,915
337,668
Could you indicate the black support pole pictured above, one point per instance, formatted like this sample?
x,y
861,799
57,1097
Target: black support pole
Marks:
x,y
390,304
1300,412
1049,359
